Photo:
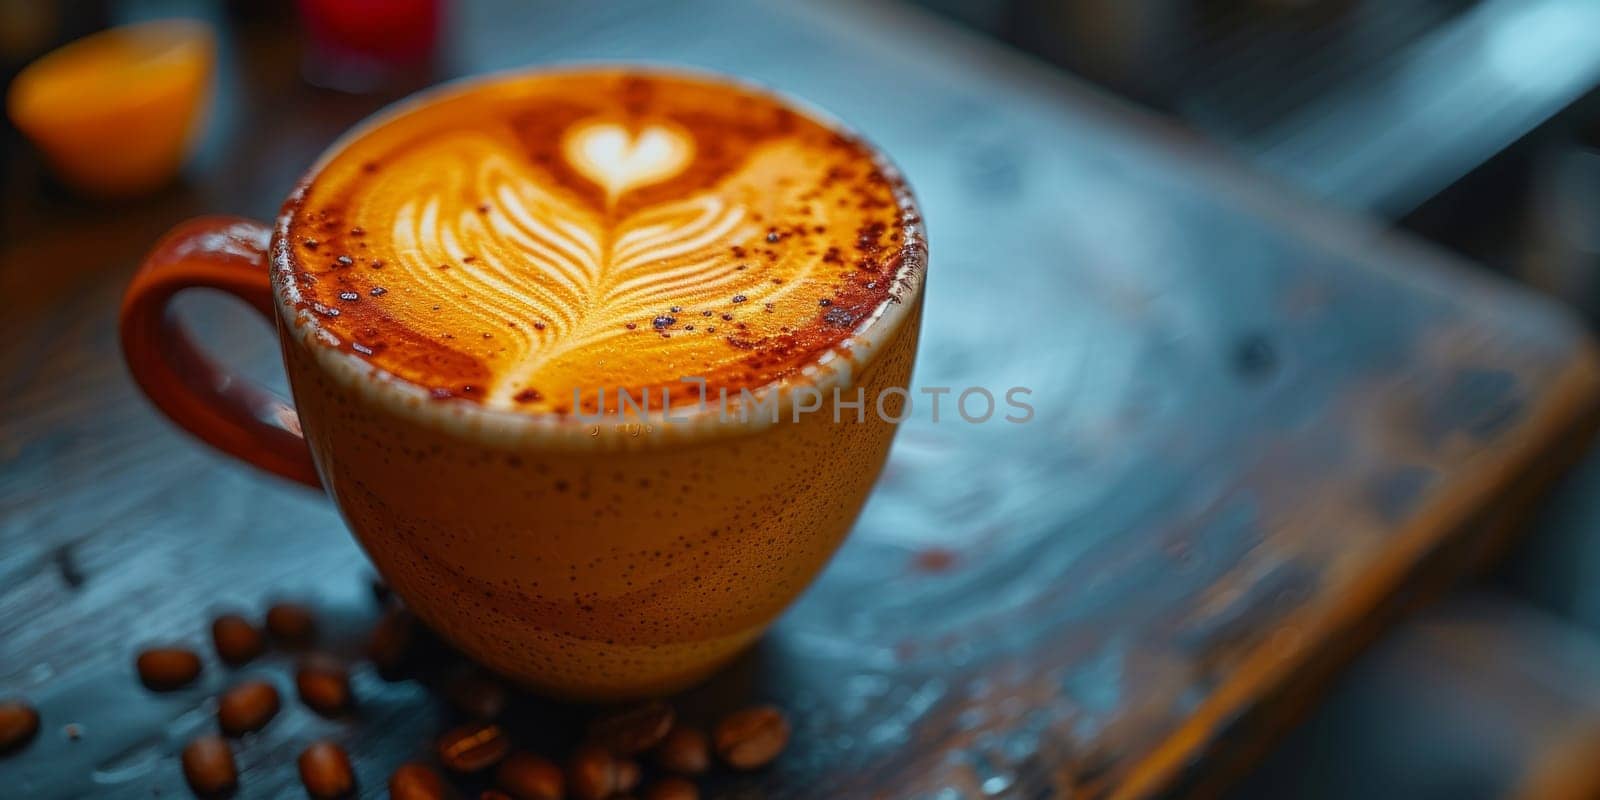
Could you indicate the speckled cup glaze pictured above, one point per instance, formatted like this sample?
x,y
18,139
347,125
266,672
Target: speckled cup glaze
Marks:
x,y
598,572
596,561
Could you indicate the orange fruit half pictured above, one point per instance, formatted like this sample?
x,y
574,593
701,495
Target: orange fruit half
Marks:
x,y
116,112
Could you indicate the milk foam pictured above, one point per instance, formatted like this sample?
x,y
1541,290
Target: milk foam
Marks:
x,y
618,159
708,232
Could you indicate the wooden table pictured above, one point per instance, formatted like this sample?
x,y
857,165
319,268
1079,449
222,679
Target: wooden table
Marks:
x,y
1479,697
1263,430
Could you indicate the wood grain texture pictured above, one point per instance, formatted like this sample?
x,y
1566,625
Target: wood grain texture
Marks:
x,y
1258,427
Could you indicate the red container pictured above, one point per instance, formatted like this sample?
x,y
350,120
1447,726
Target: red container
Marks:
x,y
365,44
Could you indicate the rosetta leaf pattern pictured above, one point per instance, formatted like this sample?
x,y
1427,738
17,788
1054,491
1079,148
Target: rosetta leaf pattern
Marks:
x,y
482,234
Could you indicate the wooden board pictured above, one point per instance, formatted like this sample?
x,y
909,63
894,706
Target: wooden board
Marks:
x,y
1481,697
1260,429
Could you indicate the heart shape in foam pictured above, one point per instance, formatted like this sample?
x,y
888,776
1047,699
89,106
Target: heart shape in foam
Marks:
x,y
618,159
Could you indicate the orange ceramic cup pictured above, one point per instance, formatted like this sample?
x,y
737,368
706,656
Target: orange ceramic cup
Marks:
x,y
588,560
116,112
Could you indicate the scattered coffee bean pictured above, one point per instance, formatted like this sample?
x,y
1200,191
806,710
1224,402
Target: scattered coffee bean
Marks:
x,y
752,737
325,771
476,694
590,773
595,774
684,751
236,640
208,766
324,686
19,723
632,730
628,775
526,776
672,788
391,644
247,707
291,624
417,782
163,669
495,794
473,747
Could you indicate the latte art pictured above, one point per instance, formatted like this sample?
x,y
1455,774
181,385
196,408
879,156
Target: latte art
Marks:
x,y
618,159
595,230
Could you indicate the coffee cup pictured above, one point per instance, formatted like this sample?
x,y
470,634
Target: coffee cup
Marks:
x,y
473,293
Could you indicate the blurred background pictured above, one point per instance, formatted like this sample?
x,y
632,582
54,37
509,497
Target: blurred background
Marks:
x,y
1473,124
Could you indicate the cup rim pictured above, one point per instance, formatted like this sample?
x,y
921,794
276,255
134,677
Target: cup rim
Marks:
x,y
835,369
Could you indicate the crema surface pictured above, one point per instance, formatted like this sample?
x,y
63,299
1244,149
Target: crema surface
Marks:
x,y
519,239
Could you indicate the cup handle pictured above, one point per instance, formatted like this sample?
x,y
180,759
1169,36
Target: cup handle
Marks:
x,y
233,414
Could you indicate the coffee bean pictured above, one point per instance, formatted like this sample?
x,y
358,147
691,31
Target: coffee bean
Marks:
x,y
19,723
526,776
752,737
291,624
473,747
591,773
162,669
236,640
475,694
672,788
495,794
628,775
684,751
417,782
325,771
208,766
324,686
247,707
594,773
632,730
392,641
